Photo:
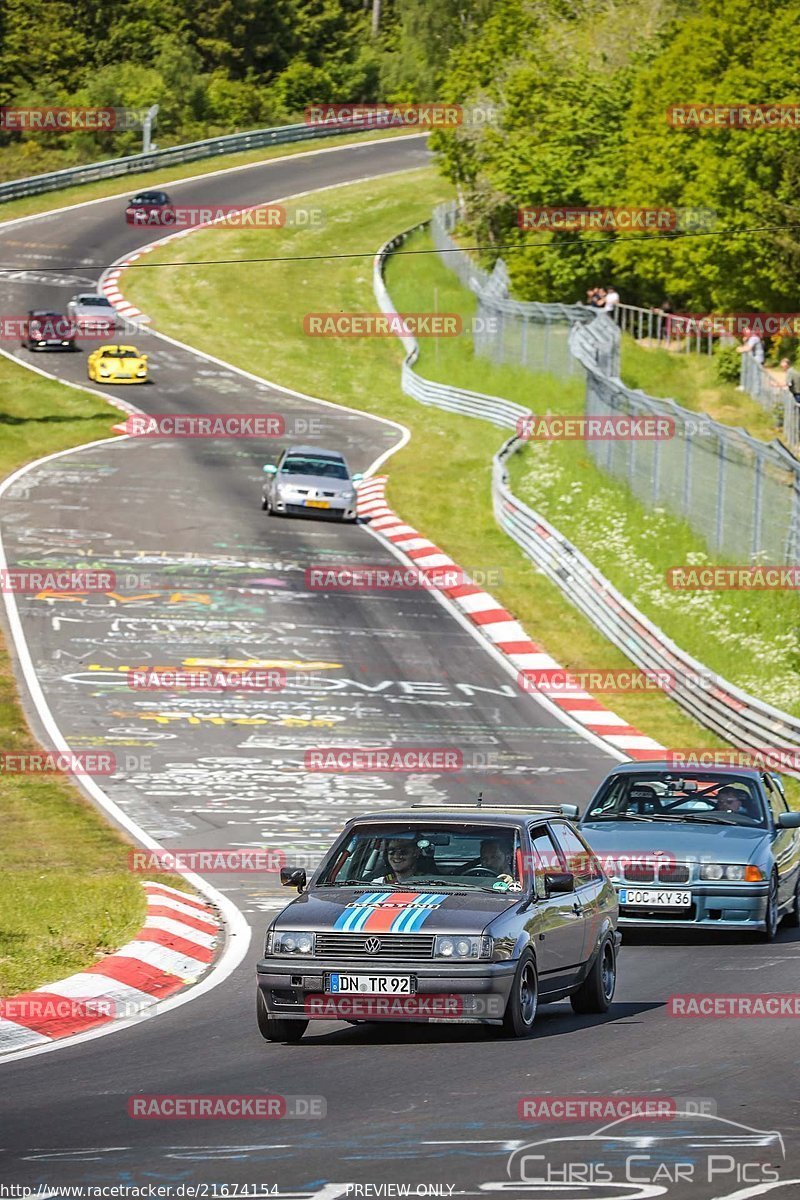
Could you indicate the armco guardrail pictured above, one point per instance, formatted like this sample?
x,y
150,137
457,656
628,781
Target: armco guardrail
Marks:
x,y
229,143
733,714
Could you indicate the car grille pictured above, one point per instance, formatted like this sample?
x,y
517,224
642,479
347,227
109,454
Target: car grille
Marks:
x,y
673,873
635,874
668,872
392,945
300,510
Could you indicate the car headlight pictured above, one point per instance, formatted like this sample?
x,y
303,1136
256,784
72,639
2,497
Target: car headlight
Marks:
x,y
734,872
105,370
141,371
287,941
462,946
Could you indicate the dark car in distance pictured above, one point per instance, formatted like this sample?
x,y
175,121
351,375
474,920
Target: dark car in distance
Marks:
x,y
442,913
150,208
47,330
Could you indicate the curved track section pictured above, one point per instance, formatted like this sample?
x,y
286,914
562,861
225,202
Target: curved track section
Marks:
x,y
205,576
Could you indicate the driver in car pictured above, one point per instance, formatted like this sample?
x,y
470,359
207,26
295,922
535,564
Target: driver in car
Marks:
x,y
731,800
496,857
404,862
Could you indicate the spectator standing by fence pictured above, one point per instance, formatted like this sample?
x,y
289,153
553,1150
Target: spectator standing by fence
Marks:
x,y
792,378
752,344
611,301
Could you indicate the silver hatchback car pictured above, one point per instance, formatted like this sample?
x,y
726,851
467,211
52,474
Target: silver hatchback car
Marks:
x,y
308,481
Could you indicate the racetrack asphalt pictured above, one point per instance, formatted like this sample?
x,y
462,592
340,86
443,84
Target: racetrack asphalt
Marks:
x,y
204,574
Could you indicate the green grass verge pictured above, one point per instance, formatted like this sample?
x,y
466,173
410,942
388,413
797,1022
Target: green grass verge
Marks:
x,y
748,637
441,481
68,897
163,175
691,379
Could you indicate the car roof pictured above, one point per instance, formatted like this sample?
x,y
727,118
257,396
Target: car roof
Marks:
x,y
472,815
316,450
631,768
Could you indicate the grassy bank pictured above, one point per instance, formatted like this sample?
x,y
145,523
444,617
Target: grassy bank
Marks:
x,y
213,308
691,379
68,897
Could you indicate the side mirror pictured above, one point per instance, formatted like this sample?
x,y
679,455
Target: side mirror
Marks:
x,y
558,882
789,820
357,477
570,811
270,469
293,877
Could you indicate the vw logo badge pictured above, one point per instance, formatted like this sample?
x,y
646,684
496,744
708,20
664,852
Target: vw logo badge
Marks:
x,y
372,945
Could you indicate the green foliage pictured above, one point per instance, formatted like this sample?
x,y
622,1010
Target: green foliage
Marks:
x,y
727,364
583,90
211,68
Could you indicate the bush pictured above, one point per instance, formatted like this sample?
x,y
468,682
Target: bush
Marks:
x,y
728,364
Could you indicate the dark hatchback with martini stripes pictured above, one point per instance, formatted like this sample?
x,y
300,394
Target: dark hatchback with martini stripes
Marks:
x,y
467,913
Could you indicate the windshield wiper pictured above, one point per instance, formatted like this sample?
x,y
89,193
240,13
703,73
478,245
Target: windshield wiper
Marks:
x,y
700,818
625,816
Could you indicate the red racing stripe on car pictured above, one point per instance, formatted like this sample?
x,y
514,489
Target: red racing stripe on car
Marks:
x,y
380,921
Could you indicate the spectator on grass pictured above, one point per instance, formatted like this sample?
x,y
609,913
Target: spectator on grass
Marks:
x,y
595,297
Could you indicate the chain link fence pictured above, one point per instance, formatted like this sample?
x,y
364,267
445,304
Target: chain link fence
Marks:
x,y
735,715
740,494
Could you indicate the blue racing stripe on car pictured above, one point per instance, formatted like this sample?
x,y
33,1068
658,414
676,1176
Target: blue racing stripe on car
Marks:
x,y
415,916
357,912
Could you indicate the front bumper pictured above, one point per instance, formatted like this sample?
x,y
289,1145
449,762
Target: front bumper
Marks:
x,y
121,379
338,510
474,992
718,906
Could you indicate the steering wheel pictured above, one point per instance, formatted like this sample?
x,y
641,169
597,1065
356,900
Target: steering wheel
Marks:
x,y
480,871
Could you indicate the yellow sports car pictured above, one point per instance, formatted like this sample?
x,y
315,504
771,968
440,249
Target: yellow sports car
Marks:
x,y
117,364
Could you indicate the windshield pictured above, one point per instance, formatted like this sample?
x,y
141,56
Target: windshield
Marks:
x,y
698,798
120,353
331,468
150,198
95,301
475,857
